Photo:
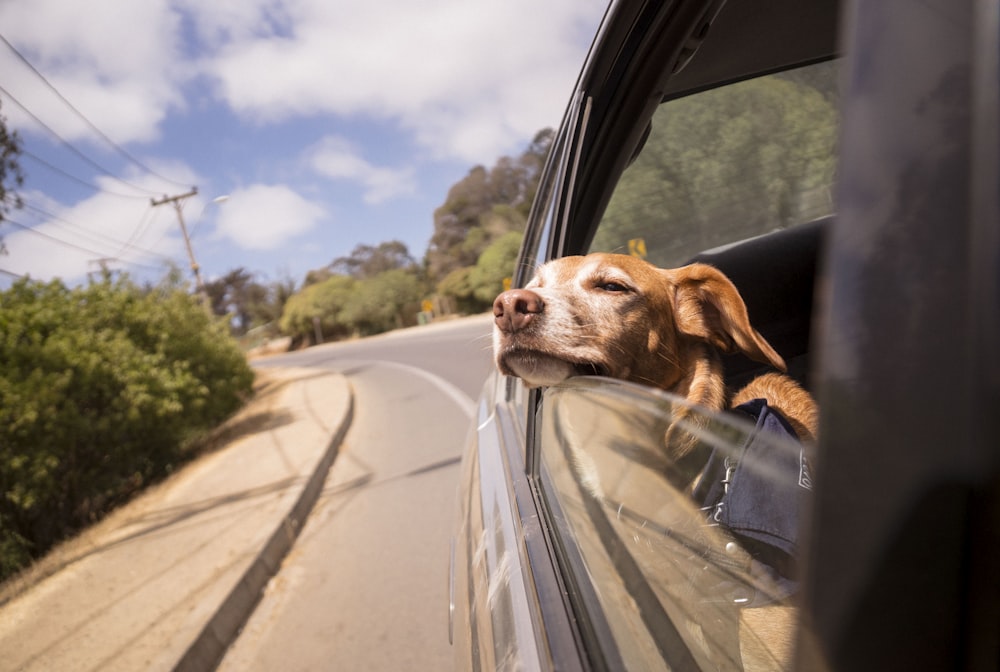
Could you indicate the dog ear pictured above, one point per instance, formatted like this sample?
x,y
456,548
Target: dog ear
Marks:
x,y
708,307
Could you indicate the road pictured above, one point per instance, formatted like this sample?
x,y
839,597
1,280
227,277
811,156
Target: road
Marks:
x,y
365,587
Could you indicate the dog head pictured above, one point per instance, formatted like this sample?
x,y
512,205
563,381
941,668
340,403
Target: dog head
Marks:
x,y
618,316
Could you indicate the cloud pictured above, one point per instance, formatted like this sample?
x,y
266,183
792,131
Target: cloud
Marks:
x,y
401,93
70,242
263,216
468,79
118,62
339,159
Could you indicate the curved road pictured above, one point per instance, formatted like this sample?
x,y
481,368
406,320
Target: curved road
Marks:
x,y
365,586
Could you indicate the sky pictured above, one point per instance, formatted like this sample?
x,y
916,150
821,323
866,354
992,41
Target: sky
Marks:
x,y
308,127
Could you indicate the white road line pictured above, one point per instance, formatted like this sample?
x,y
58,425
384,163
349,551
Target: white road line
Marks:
x,y
466,403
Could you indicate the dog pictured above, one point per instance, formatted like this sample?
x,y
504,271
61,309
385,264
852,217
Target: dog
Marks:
x,y
619,316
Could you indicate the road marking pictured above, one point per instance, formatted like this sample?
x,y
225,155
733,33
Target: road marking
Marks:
x,y
463,400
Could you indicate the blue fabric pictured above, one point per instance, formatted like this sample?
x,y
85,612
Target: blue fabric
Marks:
x,y
758,493
765,497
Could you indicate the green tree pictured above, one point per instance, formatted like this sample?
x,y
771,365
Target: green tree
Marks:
x,y
386,301
366,261
323,301
11,177
102,387
495,264
726,164
483,206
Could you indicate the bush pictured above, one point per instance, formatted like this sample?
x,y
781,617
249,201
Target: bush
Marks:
x,y
324,300
101,389
472,289
384,302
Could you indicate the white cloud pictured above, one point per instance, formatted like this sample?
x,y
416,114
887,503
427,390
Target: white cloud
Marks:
x,y
340,159
389,87
469,79
118,63
262,216
127,234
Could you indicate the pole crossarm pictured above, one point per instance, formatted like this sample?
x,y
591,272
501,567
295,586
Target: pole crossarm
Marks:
x,y
177,202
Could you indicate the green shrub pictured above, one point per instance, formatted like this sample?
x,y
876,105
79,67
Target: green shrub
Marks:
x,y
101,388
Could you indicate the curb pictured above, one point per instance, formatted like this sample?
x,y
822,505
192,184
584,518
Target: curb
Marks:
x,y
221,630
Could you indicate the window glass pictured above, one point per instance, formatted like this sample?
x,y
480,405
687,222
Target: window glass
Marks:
x,y
675,563
725,165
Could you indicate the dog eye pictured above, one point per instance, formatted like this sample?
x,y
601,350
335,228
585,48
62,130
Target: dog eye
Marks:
x,y
612,286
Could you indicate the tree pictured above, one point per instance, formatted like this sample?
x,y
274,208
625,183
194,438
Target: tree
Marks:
x,y
232,294
472,289
387,301
366,261
483,206
495,264
267,302
323,301
103,388
11,177
724,165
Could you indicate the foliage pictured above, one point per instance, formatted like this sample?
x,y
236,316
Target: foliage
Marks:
x,y
245,301
483,206
387,301
726,164
456,293
495,264
101,389
366,261
472,289
11,177
345,305
324,301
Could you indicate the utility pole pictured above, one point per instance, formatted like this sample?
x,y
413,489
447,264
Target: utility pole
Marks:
x,y
176,202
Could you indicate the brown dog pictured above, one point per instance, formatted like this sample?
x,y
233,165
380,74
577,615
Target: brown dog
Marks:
x,y
619,316
622,317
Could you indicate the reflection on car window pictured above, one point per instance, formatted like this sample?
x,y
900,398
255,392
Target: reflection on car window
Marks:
x,y
677,579
725,165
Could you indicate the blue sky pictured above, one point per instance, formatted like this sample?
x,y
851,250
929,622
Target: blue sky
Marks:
x,y
325,123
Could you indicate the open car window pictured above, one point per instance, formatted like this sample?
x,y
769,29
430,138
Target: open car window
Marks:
x,y
725,165
671,564
666,561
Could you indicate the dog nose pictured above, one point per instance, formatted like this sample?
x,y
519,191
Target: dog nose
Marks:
x,y
514,309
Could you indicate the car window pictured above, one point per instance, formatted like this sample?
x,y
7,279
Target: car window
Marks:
x,y
661,572
725,165
668,562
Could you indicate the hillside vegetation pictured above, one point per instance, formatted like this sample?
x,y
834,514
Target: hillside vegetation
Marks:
x,y
477,234
104,389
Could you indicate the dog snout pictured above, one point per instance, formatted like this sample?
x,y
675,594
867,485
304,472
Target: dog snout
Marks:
x,y
514,309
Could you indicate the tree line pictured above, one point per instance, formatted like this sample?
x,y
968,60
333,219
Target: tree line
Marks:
x,y
724,165
476,238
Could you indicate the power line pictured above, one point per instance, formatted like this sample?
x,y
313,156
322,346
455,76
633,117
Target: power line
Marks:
x,y
76,179
69,146
80,248
118,148
96,236
12,273
137,233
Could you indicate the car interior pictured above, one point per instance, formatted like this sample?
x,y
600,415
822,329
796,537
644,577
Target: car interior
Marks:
x,y
776,276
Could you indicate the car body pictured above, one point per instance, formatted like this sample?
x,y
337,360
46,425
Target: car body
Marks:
x,y
840,162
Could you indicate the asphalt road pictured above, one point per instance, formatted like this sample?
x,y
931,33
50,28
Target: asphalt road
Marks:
x,y
365,586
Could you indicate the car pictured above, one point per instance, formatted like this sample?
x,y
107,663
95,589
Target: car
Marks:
x,y
840,162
